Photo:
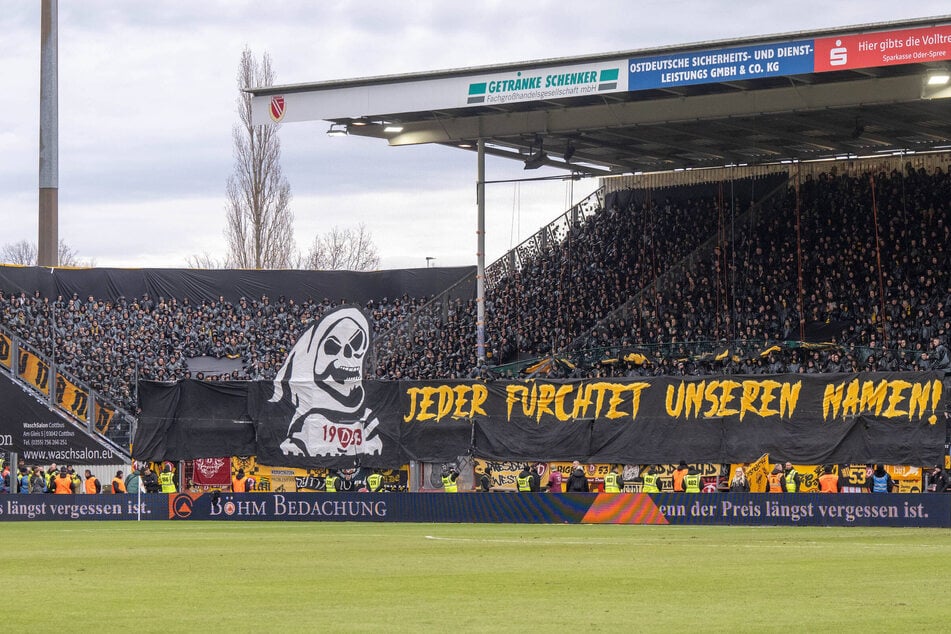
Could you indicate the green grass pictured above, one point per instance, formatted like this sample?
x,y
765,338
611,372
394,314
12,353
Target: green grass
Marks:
x,y
310,577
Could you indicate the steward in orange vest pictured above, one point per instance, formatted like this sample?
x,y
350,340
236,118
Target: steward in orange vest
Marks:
x,y
63,484
118,484
679,474
239,483
828,481
775,479
91,484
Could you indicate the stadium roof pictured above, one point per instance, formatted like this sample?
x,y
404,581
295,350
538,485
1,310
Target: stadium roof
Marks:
x,y
852,91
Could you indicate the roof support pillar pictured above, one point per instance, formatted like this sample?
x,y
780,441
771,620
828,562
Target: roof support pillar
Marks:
x,y
480,255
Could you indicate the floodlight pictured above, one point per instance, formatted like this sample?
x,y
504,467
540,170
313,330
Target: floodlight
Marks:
x,y
859,128
939,78
536,160
569,151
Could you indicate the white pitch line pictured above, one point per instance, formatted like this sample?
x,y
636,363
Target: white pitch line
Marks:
x,y
545,542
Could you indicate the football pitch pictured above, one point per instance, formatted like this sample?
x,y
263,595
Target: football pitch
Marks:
x,y
342,577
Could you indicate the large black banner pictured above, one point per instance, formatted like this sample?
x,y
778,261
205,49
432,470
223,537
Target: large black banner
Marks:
x,y
194,419
318,414
198,285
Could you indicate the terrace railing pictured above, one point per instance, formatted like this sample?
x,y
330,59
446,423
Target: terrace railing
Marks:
x,y
66,394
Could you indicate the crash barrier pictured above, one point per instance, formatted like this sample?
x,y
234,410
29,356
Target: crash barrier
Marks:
x,y
804,509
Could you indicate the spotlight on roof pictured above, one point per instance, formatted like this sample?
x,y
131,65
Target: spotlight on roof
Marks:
x,y
936,83
337,129
938,77
536,158
859,128
569,151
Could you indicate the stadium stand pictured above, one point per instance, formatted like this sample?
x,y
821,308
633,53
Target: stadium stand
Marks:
x,y
637,290
825,272
850,270
111,344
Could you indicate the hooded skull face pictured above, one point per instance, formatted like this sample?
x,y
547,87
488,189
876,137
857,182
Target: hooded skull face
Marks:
x,y
340,352
330,355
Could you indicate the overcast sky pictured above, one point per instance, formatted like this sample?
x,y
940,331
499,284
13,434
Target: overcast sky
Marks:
x,y
147,101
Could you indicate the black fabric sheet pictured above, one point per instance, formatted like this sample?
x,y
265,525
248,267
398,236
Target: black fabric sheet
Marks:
x,y
891,418
197,285
193,419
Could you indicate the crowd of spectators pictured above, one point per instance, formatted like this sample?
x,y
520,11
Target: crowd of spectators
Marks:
x,y
112,344
559,292
619,296
872,293
643,285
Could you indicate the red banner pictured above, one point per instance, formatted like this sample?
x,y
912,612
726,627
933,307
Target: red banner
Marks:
x,y
883,48
212,472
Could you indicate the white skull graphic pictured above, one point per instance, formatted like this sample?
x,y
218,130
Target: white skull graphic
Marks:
x,y
340,352
323,374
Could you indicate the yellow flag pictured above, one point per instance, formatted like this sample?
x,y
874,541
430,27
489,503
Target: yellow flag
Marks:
x,y
757,473
636,357
542,366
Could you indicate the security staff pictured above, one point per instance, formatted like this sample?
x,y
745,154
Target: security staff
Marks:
x,y
679,474
166,479
775,480
792,478
91,484
613,482
651,481
239,483
118,483
449,477
692,481
77,481
62,484
524,480
375,482
828,481
330,482
880,482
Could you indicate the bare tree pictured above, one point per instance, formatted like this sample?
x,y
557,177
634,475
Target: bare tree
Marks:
x,y
21,252
203,261
344,250
68,256
24,253
260,224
